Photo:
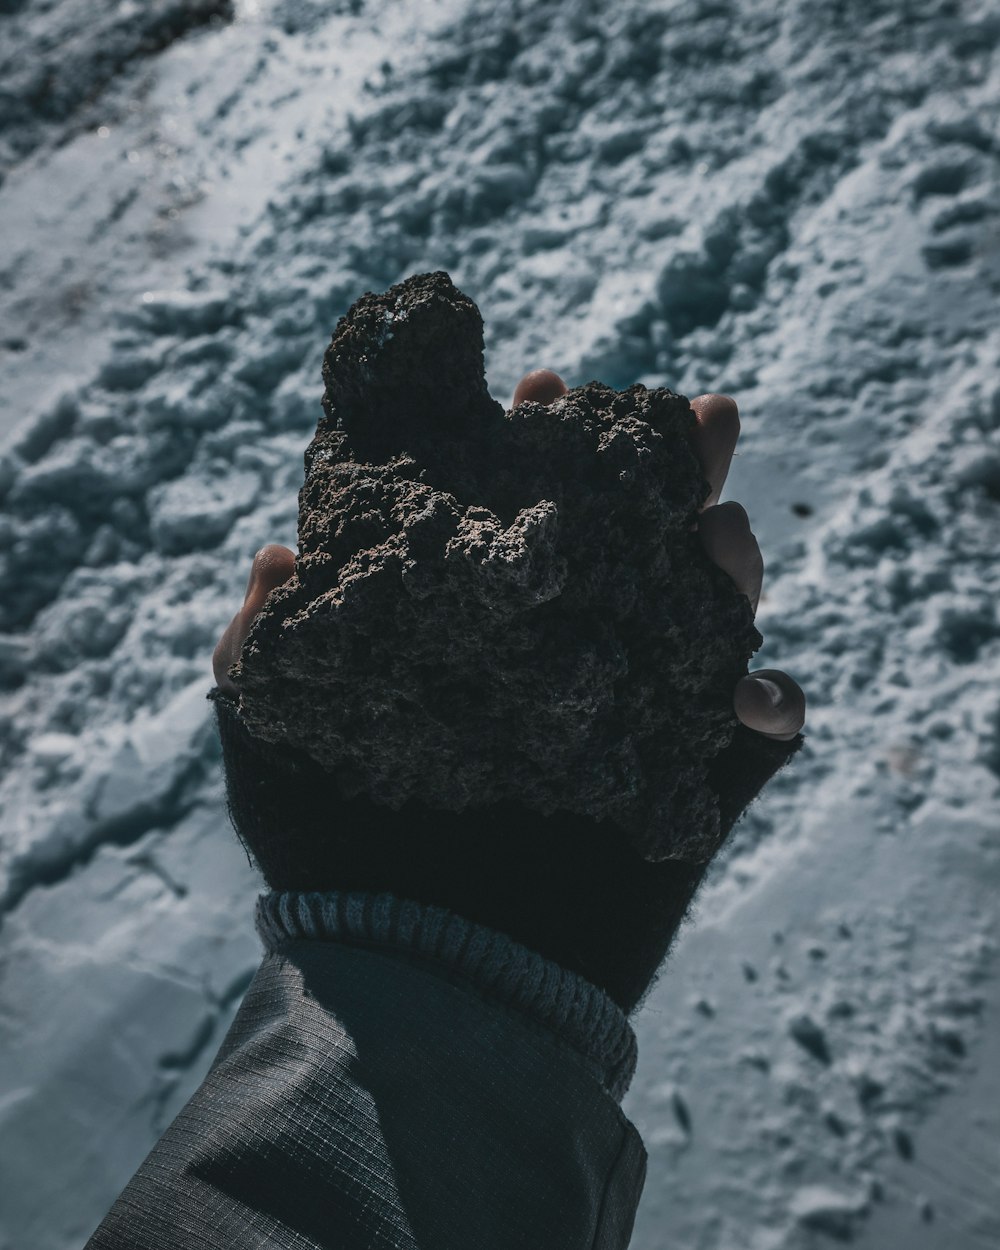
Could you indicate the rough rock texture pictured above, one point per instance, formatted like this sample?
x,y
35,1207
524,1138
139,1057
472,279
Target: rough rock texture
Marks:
x,y
492,604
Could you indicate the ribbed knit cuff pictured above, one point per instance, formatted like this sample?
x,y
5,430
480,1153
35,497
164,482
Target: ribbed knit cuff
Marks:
x,y
578,1012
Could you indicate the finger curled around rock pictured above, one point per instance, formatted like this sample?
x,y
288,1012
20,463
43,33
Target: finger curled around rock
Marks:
x,y
715,439
272,566
770,702
730,543
541,386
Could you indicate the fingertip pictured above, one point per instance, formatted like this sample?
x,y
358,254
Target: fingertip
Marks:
x,y
714,438
272,554
721,410
770,702
541,386
272,565
732,515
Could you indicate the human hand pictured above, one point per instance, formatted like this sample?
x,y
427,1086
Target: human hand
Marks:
x,y
768,700
563,885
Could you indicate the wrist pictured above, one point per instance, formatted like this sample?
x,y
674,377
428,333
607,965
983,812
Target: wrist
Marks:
x,y
478,959
565,886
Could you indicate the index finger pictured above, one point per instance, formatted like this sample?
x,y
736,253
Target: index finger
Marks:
x,y
714,440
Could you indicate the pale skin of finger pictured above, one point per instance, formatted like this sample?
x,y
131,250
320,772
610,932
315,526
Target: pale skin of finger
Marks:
x,y
727,539
714,440
272,566
541,386
726,536
729,542
753,703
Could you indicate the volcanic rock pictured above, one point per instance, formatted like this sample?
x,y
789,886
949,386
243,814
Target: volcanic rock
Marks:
x,y
492,604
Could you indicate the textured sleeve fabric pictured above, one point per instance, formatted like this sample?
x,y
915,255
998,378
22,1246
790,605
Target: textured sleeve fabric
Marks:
x,y
371,1096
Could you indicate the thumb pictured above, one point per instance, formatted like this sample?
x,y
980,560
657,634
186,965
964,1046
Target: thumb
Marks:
x,y
770,702
272,566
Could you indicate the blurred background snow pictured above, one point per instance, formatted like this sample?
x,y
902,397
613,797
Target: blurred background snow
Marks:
x,y
793,204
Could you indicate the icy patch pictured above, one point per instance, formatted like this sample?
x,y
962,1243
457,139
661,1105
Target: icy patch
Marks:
x,y
103,786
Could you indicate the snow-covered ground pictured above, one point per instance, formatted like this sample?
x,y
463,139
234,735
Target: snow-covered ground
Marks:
x,y
796,204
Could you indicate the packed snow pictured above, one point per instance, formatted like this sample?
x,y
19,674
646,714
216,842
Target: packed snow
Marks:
x,y
796,205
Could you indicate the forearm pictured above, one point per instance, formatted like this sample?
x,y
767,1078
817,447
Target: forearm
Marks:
x,y
373,1092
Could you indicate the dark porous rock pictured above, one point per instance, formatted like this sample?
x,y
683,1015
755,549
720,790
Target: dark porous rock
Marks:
x,y
492,605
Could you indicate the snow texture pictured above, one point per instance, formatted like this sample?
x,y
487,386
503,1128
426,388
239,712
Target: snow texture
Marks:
x,y
796,205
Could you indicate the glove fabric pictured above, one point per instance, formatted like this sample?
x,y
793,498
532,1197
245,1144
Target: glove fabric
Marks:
x,y
566,886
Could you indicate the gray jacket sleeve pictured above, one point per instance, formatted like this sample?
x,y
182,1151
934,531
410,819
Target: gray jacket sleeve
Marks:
x,y
397,1077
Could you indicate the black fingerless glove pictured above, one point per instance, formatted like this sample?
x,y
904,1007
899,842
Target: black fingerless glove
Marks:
x,y
566,886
